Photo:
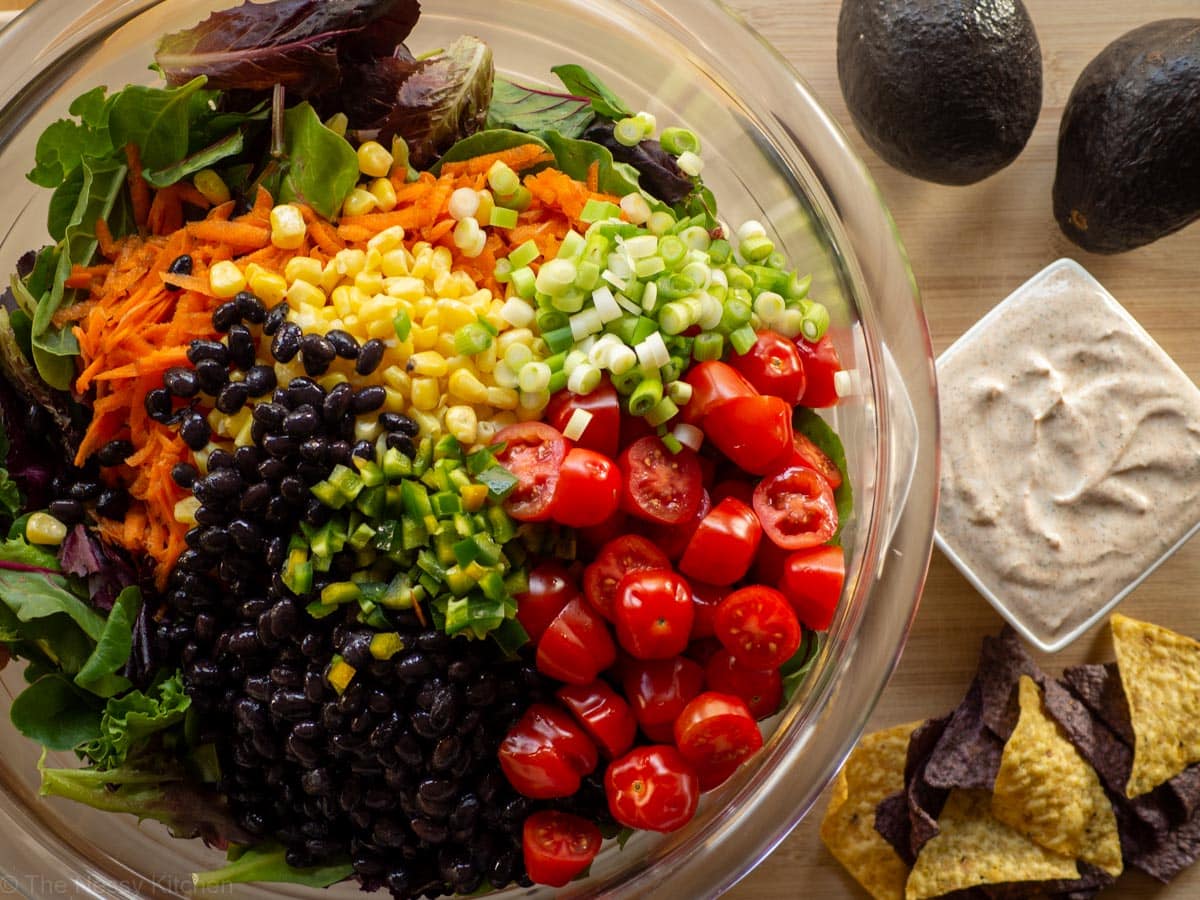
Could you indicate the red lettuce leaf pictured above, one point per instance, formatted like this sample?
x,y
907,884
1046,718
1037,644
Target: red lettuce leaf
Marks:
x,y
301,44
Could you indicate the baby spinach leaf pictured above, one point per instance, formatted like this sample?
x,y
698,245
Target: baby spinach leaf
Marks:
x,y
91,107
575,158
493,140
523,108
581,82
32,595
806,422
157,120
17,553
56,714
62,146
99,673
321,168
231,145
797,669
659,174
266,863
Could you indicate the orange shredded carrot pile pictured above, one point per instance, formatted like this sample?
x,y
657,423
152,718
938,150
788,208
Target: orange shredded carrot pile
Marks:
x,y
525,156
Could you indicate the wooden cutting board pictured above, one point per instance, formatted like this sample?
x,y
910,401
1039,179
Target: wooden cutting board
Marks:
x,y
970,246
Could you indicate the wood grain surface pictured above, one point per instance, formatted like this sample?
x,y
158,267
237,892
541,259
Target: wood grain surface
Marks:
x,y
970,246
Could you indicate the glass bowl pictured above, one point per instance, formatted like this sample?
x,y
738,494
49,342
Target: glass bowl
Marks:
x,y
771,154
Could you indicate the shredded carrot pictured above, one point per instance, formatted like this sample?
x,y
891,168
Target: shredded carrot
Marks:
x,y
237,237
139,190
166,211
593,176
517,158
108,247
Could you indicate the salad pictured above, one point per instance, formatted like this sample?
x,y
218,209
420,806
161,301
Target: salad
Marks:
x,y
409,478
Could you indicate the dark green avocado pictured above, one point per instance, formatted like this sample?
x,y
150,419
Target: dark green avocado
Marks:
x,y
1129,144
945,90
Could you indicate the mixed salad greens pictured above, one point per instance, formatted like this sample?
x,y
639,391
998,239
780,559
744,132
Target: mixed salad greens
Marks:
x,y
360,399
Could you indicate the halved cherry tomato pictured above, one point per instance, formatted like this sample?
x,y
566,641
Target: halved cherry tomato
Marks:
x,y
558,846
812,582
796,508
673,539
716,733
534,453
577,646
653,614
723,547
712,383
805,453
705,600
660,486
658,690
653,788
761,689
616,559
603,713
821,363
546,753
589,489
603,431
758,627
753,432
551,587
773,366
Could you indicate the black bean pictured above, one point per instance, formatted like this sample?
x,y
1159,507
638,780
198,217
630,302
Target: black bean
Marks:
x,y
255,498
84,490
213,539
399,442
250,308
221,458
337,403
211,515
363,450
370,355
270,414
317,349
204,349
314,450
395,422
304,391
226,316
430,832
113,503
274,319
69,512
259,380
158,405
339,453
222,483
241,347
279,445
212,376
316,513
180,265
302,421
246,535
278,511
344,344
286,343
293,489
368,399
114,452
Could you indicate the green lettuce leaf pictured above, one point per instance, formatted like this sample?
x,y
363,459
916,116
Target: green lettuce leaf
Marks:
x,y
157,120
581,82
266,863
99,673
522,108
56,713
320,167
806,422
129,721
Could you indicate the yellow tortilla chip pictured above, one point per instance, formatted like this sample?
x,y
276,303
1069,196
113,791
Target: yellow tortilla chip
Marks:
x,y
874,770
973,849
1049,793
1160,671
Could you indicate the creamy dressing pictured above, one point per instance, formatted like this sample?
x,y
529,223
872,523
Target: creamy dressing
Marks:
x,y
1070,452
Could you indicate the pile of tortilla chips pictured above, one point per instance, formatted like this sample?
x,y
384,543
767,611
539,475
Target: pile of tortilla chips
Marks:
x,y
1033,786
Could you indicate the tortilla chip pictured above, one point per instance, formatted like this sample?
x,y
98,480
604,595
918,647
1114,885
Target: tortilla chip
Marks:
x,y
967,755
1160,672
874,770
973,849
1002,661
1049,793
1099,687
894,826
925,801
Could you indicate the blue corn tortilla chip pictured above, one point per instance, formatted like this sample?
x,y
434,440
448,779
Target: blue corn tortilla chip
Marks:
x,y
967,755
1099,687
894,826
1002,661
925,802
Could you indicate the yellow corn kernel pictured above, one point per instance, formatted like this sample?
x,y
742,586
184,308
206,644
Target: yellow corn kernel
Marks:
x,y
359,203
502,398
485,431
350,262
425,393
287,227
185,510
421,307
381,329
506,339
454,314
403,287
430,425
461,422
285,372
394,401
302,268
383,192
337,123
454,363
301,293
473,495
466,387
427,363
486,361
486,205
424,338
395,377
445,343
340,299
525,414
387,240
367,429
432,319
226,279
330,380
373,159
267,286
442,260
369,282
212,186
446,285
43,528
397,262
245,434
341,673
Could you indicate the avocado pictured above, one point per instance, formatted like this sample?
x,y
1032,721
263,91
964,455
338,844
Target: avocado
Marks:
x,y
1128,167
945,90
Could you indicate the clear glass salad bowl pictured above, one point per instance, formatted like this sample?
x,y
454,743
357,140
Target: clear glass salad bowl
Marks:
x,y
771,154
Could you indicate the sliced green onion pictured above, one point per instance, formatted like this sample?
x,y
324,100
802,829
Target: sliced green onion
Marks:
x,y
641,246
719,251
675,286
769,306
649,295
606,305
679,140
503,271
636,208
648,121
577,424
502,217
517,355
403,325
587,275
642,329
662,412
525,254
533,377
560,339
471,338
585,323
649,266
756,248
517,313
621,359
672,249
572,245
671,442
680,392
597,210
742,340
584,379
569,301
556,276
558,381
502,179
739,278
551,320
676,318
708,346
524,282
690,163
798,286
628,132
520,199
696,237
660,222
647,395
815,323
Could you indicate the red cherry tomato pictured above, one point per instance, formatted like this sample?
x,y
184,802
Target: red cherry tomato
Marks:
x,y
723,547
796,508
546,753
805,453
660,486
653,614
812,582
753,432
558,846
768,566
658,690
758,627
761,689
716,733
603,713
703,649
821,363
773,366
673,539
733,487
616,559
589,489
705,600
534,453
712,383
603,431
653,788
577,646
551,587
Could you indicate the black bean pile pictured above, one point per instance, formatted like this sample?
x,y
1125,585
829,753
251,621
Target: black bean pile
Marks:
x,y
399,773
